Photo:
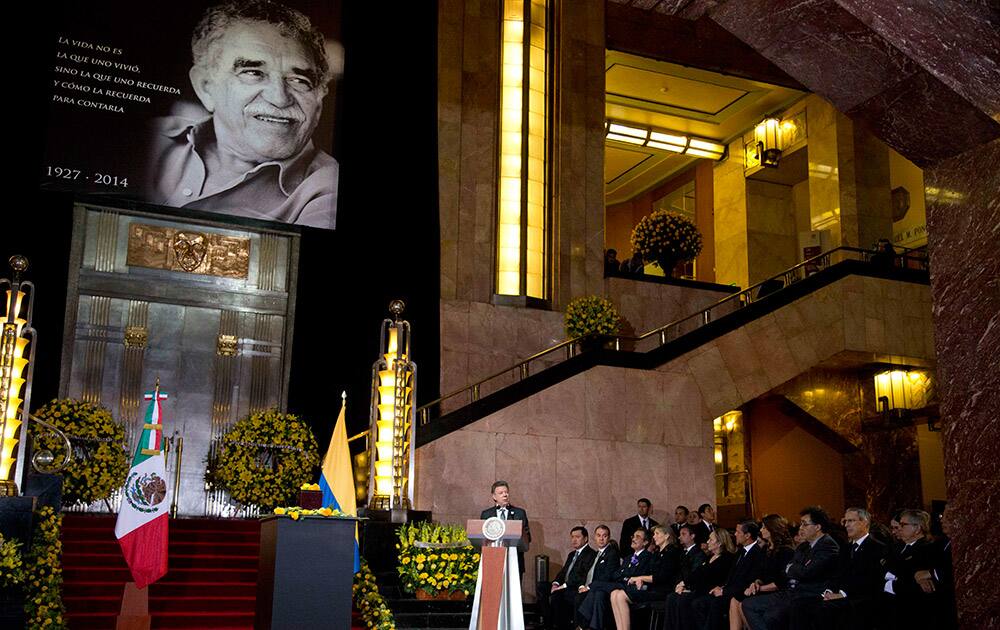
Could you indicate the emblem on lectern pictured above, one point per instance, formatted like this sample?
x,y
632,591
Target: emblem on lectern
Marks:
x,y
494,528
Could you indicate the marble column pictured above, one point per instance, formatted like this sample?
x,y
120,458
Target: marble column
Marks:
x,y
963,213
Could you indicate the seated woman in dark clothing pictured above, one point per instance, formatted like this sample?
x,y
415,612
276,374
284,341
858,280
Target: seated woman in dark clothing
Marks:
x,y
594,608
653,586
776,534
722,554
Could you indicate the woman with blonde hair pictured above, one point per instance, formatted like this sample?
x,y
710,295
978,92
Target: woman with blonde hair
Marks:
x,y
651,587
721,555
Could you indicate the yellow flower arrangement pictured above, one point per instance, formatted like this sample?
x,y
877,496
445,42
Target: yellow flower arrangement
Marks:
x,y
369,601
264,458
436,558
295,513
43,605
591,315
11,566
666,238
100,459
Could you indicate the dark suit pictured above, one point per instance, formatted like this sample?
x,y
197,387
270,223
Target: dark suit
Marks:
x,y
701,532
557,607
606,564
709,610
861,578
603,570
677,610
676,528
911,606
595,606
514,514
628,528
812,571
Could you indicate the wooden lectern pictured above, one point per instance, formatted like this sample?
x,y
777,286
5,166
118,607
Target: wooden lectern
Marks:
x,y
497,605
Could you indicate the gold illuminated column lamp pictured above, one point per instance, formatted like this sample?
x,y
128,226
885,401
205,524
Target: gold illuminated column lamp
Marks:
x,y
521,224
394,374
16,337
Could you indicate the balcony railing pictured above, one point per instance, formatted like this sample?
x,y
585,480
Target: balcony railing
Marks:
x,y
900,257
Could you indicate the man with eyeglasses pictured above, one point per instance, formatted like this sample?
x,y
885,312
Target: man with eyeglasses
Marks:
x,y
910,572
850,600
811,571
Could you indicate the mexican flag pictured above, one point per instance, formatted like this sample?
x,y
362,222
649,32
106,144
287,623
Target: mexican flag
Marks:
x,y
142,518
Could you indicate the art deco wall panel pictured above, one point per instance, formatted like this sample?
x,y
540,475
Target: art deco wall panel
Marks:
x,y
205,307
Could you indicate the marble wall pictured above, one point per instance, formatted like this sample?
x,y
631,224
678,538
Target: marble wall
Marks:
x,y
772,238
840,398
468,88
965,281
478,340
645,306
580,452
846,193
731,264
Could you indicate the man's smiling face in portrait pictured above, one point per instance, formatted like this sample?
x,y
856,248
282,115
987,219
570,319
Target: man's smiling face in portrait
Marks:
x,y
264,91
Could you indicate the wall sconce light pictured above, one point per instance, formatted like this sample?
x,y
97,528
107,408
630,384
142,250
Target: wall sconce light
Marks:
x,y
17,359
669,141
768,136
899,391
394,374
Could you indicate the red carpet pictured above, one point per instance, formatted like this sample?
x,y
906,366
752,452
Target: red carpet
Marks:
x,y
211,583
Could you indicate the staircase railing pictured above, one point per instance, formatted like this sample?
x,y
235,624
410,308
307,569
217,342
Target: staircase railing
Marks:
x,y
899,257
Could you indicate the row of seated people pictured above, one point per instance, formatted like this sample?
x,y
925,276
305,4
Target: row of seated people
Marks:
x,y
766,575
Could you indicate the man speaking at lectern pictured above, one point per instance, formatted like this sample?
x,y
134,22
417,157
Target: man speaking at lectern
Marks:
x,y
504,510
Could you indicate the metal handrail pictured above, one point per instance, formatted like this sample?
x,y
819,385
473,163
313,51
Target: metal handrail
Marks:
x,y
701,317
37,456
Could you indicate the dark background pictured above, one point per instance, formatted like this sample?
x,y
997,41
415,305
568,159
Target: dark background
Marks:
x,y
386,244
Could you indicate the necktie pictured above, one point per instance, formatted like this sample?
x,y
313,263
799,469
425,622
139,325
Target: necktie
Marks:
x,y
503,513
635,560
569,571
854,549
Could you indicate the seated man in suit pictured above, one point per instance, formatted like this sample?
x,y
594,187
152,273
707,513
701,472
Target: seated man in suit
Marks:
x,y
555,601
677,611
851,599
641,519
711,609
596,605
500,491
605,564
812,570
910,570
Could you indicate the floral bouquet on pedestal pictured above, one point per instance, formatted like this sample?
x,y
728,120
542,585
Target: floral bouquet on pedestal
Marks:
x,y
666,238
591,315
437,561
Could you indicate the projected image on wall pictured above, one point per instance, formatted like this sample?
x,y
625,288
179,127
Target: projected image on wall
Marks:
x,y
223,108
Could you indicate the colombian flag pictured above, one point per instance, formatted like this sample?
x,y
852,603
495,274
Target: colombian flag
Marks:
x,y
336,479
